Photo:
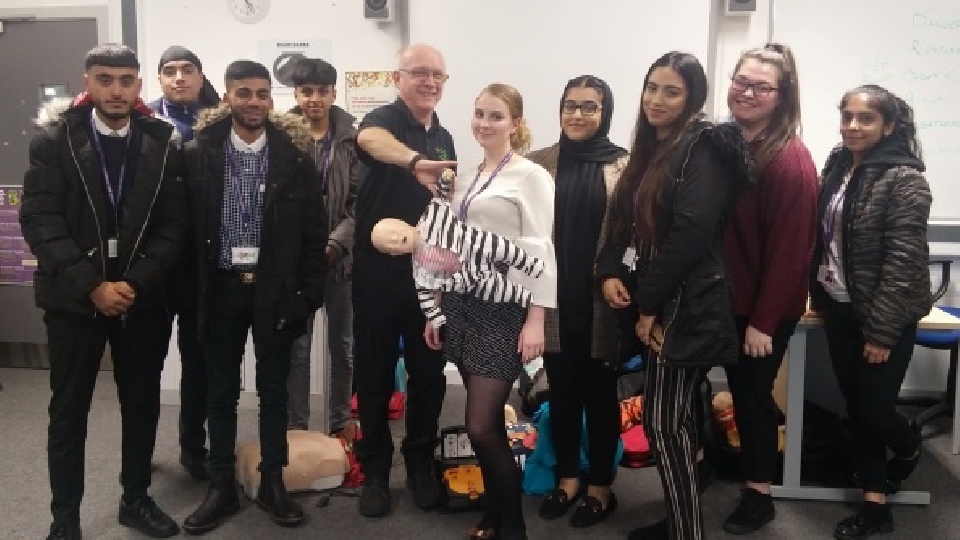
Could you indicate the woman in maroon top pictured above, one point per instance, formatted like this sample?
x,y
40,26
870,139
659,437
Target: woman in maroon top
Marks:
x,y
768,244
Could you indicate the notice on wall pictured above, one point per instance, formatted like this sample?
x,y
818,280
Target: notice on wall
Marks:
x,y
281,56
367,90
16,262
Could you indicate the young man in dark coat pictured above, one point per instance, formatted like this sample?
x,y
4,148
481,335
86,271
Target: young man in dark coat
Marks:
x,y
260,232
104,213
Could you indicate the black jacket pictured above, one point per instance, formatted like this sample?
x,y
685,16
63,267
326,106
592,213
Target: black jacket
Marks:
x,y
64,212
684,281
884,250
291,270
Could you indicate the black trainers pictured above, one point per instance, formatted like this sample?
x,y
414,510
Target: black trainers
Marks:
x,y
145,516
374,500
753,512
65,531
871,519
422,481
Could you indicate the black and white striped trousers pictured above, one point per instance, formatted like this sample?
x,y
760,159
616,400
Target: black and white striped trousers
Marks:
x,y
670,424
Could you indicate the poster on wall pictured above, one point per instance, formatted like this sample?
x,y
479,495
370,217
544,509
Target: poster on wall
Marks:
x,y
16,262
367,90
281,55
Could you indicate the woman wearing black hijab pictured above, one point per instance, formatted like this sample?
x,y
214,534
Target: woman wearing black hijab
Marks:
x,y
586,167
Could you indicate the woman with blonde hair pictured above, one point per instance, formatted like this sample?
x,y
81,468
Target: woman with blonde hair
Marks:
x,y
489,342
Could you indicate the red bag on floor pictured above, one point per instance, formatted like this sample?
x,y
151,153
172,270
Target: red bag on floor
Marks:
x,y
349,436
397,404
636,448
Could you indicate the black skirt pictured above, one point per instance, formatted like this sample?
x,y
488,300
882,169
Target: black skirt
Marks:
x,y
481,337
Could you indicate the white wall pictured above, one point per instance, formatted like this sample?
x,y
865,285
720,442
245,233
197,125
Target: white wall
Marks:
x,y
206,28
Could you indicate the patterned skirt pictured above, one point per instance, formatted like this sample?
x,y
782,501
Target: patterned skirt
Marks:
x,y
481,337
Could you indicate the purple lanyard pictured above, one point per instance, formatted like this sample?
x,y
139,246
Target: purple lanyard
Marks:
x,y
326,156
246,205
835,205
114,198
467,198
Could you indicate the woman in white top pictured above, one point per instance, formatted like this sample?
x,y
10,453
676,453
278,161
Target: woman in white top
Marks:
x,y
488,341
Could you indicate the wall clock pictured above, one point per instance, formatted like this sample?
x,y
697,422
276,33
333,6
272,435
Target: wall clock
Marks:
x,y
249,11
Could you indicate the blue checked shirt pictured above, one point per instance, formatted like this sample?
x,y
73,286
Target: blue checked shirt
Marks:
x,y
245,177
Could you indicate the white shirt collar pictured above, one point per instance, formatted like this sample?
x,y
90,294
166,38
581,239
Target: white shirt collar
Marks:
x,y
104,129
242,145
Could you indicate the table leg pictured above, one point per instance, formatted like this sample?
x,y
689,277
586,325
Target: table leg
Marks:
x,y
956,417
796,373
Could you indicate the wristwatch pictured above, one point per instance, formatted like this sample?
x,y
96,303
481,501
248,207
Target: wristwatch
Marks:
x,y
413,162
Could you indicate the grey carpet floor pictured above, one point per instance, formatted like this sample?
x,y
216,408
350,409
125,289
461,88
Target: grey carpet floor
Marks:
x,y
24,492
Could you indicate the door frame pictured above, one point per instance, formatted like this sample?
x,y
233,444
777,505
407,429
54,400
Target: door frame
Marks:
x,y
99,12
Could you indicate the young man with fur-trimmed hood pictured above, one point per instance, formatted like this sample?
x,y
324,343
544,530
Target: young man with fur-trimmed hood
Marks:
x,y
333,147
104,213
260,232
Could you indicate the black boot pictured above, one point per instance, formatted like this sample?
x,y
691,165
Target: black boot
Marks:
x,y
66,530
273,498
221,502
374,500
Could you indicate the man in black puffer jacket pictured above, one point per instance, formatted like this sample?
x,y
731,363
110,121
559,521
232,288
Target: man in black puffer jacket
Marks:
x,y
104,213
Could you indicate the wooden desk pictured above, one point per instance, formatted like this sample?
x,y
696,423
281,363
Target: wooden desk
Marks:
x,y
797,351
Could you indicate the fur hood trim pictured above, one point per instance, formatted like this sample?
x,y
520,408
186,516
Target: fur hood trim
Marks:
x,y
727,139
291,124
50,112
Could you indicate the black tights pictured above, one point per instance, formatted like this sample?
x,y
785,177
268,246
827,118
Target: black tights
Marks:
x,y
501,478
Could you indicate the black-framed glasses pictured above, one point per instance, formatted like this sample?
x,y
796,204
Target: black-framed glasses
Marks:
x,y
587,108
423,74
760,88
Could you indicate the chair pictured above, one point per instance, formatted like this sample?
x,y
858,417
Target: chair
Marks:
x,y
944,340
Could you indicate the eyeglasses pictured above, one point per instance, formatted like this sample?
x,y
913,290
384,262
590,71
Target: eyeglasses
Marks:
x,y
423,73
587,108
760,88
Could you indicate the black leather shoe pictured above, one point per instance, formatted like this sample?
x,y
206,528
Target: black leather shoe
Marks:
x,y
658,531
872,518
220,502
422,481
556,503
272,498
65,531
374,500
195,463
145,516
754,510
591,511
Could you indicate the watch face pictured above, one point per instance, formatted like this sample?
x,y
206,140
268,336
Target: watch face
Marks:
x,y
249,11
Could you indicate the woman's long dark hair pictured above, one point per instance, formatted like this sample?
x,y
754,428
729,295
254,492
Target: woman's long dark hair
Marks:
x,y
649,158
893,110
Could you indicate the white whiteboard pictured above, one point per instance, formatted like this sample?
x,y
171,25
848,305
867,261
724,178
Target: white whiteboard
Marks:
x,y
538,45
911,48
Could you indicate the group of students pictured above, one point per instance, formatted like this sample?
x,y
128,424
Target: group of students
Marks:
x,y
697,247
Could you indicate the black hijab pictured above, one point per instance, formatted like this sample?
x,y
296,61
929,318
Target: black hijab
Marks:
x,y
598,148
581,201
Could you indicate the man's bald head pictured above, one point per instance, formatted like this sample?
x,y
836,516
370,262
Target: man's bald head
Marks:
x,y
420,76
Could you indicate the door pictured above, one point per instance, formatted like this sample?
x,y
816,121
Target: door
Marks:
x,y
41,58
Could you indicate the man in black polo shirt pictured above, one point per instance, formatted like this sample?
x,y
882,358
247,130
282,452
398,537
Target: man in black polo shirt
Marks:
x,y
405,149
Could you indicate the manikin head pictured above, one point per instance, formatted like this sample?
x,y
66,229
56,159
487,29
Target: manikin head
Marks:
x,y
395,237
